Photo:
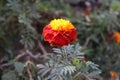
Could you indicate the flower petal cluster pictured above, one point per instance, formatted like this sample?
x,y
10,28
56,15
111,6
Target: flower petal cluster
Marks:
x,y
59,32
116,37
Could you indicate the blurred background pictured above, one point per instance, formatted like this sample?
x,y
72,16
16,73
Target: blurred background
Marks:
x,y
22,22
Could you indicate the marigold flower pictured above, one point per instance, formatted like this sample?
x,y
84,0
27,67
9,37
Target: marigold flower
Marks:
x,y
59,32
114,75
116,37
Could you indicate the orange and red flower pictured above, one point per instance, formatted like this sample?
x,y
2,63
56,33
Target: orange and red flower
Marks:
x,y
114,75
116,37
59,32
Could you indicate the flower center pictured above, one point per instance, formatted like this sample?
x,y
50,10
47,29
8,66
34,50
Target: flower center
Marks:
x,y
61,24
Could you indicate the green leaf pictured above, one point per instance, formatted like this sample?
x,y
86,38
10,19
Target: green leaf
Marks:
x,y
10,76
39,78
19,67
68,70
116,6
94,73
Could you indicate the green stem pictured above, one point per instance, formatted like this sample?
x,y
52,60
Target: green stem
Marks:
x,y
74,78
76,75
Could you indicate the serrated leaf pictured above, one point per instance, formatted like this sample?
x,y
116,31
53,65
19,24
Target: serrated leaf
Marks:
x,y
45,72
40,66
38,77
94,73
68,70
56,50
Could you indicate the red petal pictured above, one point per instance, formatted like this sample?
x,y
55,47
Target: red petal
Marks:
x,y
71,35
46,29
48,33
60,40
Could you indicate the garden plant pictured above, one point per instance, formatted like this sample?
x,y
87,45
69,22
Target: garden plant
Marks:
x,y
59,39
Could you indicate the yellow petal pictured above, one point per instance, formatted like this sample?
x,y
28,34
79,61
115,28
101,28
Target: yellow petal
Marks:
x,y
61,24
